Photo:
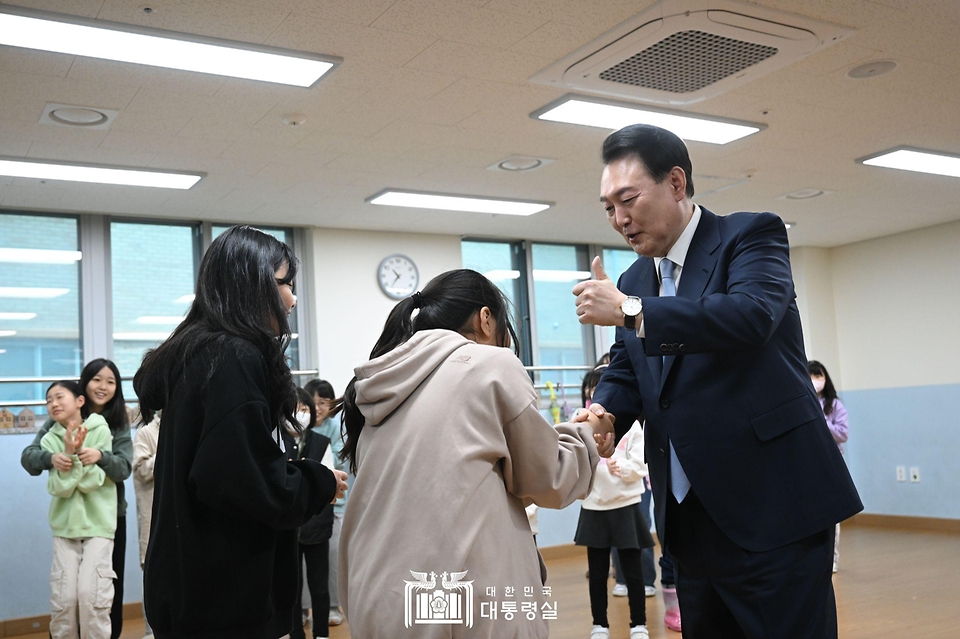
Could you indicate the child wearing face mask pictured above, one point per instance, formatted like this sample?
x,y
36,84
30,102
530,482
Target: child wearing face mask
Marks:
x,y
315,533
836,416
83,518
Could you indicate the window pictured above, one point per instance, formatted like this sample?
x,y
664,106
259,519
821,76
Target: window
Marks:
x,y
39,304
560,338
153,270
503,263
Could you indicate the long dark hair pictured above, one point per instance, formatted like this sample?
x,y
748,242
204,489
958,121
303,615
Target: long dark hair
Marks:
x,y
75,390
450,300
829,391
237,296
114,411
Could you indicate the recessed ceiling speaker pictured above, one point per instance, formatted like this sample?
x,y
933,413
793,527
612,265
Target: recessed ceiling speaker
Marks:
x,y
685,51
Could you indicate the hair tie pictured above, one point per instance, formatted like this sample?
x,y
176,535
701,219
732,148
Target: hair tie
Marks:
x,y
417,300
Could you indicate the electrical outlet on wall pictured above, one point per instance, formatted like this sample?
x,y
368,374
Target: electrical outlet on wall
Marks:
x,y
901,473
915,474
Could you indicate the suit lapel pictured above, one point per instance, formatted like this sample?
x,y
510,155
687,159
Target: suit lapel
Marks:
x,y
698,266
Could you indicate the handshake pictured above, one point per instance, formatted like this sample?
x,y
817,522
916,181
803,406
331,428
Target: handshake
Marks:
x,y
602,423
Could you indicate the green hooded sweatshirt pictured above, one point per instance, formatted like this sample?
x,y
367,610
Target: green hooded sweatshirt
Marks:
x,y
84,498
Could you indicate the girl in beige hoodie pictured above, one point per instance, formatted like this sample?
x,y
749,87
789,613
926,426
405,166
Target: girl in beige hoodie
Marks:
x,y
448,445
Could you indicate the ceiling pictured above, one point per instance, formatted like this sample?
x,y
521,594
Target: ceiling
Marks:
x,y
431,92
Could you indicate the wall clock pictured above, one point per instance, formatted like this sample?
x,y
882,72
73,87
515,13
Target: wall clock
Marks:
x,y
398,276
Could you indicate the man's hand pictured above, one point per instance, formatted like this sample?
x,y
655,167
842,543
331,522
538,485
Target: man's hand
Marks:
x,y
602,423
598,300
89,456
341,484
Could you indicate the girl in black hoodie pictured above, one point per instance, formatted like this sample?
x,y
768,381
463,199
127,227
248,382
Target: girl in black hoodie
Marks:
x,y
222,558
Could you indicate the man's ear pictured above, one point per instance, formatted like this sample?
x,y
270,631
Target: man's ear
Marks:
x,y
678,182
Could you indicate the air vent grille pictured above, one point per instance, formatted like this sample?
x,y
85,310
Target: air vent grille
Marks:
x,y
687,61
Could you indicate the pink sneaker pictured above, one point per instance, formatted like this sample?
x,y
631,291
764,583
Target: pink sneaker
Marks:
x,y
671,619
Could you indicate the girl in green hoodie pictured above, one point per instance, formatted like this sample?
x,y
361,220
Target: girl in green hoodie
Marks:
x,y
83,517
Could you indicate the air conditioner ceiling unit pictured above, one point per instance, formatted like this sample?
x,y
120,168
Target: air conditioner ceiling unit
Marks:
x,y
684,51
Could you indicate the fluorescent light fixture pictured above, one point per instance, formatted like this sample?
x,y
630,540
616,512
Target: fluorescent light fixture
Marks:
x,y
467,203
919,160
7,333
159,319
498,275
573,109
32,293
185,299
153,47
38,256
145,336
2,351
547,275
44,170
17,316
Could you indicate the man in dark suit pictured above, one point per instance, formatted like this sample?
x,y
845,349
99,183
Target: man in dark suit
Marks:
x,y
747,481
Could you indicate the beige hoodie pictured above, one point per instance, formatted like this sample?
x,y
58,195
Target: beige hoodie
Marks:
x,y
453,447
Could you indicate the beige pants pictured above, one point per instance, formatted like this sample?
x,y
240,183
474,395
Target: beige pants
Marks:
x,y
81,588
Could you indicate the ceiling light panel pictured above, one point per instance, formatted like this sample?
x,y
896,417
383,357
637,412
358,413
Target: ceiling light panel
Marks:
x,y
97,174
17,316
154,47
918,160
572,109
466,203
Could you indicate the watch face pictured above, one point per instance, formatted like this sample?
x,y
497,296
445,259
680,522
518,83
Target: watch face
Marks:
x,y
398,276
631,306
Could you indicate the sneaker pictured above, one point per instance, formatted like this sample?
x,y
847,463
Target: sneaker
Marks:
x,y
335,618
639,632
599,632
620,590
836,567
649,591
306,616
671,619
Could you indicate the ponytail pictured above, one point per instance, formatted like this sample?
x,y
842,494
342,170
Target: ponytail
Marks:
x,y
448,301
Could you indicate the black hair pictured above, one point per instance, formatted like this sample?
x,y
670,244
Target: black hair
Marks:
x,y
114,411
74,389
324,390
237,296
320,387
589,384
306,398
449,301
829,390
659,150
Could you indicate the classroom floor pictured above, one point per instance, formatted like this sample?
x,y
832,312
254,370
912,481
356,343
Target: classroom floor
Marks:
x,y
892,583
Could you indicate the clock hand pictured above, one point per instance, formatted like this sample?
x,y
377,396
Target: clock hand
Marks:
x,y
397,276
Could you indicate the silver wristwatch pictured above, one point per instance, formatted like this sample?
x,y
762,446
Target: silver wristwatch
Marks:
x,y
632,307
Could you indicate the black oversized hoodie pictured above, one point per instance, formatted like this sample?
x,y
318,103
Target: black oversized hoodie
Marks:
x,y
222,557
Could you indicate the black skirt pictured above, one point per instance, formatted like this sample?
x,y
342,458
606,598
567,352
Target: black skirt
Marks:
x,y
625,527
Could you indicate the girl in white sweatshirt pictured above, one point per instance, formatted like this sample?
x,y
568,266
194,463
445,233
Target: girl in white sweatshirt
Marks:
x,y
610,517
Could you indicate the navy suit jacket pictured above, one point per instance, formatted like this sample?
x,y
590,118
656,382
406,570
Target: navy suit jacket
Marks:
x,y
733,393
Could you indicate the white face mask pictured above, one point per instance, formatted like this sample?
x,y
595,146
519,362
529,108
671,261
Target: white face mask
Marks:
x,y
304,418
818,384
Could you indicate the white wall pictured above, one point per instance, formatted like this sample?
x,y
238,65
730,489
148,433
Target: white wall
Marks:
x,y
350,308
813,279
898,309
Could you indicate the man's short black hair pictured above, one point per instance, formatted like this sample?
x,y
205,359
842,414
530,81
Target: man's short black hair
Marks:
x,y
658,149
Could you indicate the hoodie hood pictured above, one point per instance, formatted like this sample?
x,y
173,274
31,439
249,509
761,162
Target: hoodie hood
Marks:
x,y
387,381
